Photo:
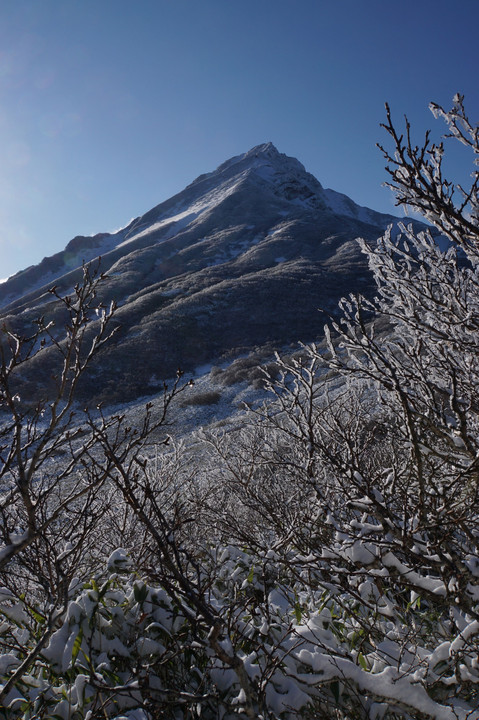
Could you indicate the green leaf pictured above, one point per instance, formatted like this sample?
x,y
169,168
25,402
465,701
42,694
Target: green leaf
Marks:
x,y
37,616
251,575
102,591
77,646
140,593
362,661
335,690
297,612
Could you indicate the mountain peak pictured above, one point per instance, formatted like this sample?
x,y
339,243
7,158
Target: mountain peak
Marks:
x,y
267,153
264,160
267,149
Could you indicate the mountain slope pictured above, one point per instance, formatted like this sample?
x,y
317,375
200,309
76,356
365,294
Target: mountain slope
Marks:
x,y
243,257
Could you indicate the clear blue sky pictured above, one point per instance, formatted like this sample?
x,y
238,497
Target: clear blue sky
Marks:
x,y
108,107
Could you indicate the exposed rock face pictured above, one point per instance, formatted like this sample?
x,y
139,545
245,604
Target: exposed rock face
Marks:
x,y
244,256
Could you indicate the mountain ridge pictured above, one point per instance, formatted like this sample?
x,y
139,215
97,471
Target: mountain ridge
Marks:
x,y
262,160
242,257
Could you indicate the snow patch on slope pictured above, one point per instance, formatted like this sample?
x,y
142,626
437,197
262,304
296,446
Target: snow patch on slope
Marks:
x,y
183,215
343,205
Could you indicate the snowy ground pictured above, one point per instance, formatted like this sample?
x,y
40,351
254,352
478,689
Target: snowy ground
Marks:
x,y
192,409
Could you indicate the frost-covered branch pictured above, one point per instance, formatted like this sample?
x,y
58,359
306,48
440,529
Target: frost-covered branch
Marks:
x,y
418,182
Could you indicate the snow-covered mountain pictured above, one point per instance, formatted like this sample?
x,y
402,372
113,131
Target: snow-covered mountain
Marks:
x,y
242,257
